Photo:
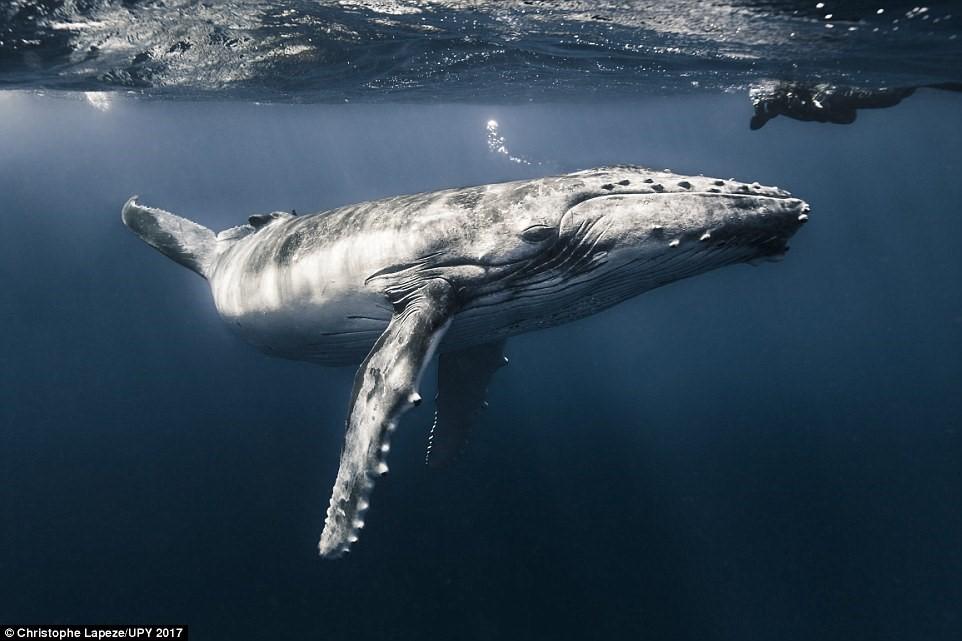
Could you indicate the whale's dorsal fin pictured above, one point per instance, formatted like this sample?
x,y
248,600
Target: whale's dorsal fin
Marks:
x,y
385,387
463,378
263,220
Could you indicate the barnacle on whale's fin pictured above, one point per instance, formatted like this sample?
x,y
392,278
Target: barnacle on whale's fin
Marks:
x,y
384,388
463,379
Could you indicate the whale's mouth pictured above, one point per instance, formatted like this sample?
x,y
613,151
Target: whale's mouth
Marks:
x,y
774,231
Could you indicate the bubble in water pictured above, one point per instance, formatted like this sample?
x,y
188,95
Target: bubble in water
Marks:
x,y
497,145
98,99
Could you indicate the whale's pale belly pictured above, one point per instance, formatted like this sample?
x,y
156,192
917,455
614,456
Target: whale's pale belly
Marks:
x,y
323,306
341,327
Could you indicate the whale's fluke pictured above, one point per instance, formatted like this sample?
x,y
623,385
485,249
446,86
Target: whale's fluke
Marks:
x,y
192,245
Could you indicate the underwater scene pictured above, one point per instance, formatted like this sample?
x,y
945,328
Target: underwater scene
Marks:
x,y
402,319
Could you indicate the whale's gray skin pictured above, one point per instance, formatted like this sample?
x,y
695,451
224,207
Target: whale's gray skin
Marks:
x,y
825,102
389,282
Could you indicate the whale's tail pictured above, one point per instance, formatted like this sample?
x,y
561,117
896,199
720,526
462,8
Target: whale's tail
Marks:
x,y
179,239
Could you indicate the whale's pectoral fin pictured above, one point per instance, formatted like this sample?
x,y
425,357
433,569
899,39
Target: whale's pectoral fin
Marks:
x,y
463,378
384,388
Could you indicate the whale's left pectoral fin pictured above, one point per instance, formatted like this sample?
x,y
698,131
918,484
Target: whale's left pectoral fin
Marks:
x,y
384,388
463,379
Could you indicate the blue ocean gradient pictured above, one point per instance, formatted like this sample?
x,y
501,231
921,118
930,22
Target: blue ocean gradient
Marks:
x,y
756,453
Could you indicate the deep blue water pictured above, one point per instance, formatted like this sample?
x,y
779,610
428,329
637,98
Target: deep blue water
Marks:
x,y
756,453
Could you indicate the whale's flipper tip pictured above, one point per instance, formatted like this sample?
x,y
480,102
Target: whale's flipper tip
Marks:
x,y
183,241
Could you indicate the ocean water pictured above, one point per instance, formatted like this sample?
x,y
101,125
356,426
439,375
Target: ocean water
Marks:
x,y
456,50
755,453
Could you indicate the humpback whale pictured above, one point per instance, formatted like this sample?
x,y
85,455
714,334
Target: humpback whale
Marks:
x,y
385,284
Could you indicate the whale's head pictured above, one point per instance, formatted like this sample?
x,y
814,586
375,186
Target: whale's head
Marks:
x,y
623,230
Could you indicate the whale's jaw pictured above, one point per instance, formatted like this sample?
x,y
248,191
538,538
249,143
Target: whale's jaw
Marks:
x,y
676,235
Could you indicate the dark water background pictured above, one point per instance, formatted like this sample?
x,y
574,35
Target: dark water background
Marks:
x,y
767,453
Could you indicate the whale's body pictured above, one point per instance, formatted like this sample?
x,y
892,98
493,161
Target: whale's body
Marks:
x,y
385,283
313,287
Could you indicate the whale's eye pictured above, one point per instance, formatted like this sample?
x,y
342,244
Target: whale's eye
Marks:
x,y
538,233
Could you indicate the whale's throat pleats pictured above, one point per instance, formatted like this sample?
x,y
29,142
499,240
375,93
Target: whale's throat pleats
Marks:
x,y
385,387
